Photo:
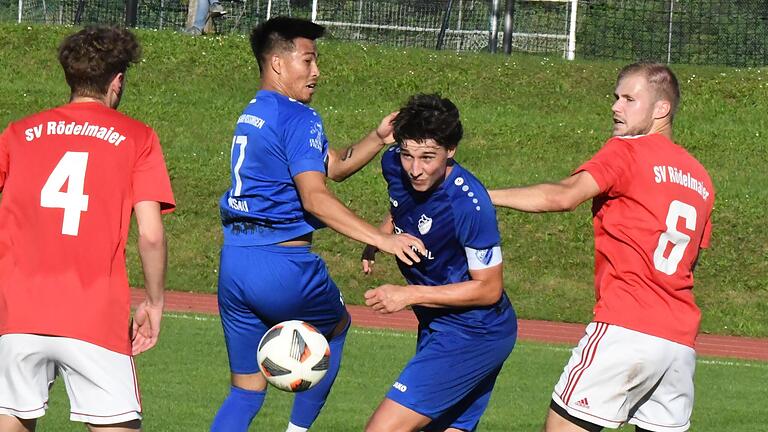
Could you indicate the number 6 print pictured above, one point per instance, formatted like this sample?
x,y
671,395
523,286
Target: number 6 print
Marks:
x,y
677,210
71,166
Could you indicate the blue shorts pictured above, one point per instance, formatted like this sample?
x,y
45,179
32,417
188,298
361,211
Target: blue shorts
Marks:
x,y
451,377
260,286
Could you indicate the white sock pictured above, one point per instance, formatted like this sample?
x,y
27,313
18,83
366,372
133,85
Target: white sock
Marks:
x,y
293,428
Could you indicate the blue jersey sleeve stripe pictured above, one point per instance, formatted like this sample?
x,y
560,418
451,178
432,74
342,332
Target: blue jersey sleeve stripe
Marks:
x,y
304,165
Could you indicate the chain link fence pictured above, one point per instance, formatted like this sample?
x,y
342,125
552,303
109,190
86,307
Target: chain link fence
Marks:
x,y
733,32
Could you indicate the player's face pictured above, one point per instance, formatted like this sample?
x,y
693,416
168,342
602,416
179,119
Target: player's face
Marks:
x,y
299,72
634,107
425,162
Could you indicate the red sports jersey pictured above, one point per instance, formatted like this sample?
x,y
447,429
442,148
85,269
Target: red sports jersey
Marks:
x,y
650,219
69,178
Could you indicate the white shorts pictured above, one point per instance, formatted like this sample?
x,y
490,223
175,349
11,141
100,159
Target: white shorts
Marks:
x,y
101,384
616,376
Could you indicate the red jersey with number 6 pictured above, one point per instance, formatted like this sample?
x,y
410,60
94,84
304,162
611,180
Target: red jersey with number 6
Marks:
x,y
650,220
69,178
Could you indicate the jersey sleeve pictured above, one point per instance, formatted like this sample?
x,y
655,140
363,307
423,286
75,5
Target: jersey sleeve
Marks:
x,y
4,157
150,176
611,166
390,163
306,146
476,225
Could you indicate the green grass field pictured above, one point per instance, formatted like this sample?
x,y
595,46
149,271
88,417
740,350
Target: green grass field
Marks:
x,y
185,378
527,119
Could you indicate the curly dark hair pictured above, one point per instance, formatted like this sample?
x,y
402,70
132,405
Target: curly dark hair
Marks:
x,y
277,34
92,57
429,116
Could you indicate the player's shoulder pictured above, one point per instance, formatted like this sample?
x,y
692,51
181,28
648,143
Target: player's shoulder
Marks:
x,y
69,115
291,110
468,195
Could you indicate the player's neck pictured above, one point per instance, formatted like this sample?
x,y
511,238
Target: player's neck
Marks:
x,y
86,99
664,129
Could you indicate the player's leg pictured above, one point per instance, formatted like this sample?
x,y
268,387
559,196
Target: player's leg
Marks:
x,y
669,406
101,385
447,384
14,424
129,426
465,415
610,373
559,420
390,416
307,404
242,333
26,373
325,310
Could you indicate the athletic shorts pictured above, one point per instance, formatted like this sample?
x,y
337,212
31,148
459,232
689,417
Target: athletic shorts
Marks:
x,y
260,286
101,384
451,377
616,376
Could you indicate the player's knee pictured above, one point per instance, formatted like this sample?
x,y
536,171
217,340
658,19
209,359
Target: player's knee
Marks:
x,y
251,382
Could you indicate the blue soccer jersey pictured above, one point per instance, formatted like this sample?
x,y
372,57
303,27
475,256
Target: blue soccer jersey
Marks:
x,y
457,223
275,139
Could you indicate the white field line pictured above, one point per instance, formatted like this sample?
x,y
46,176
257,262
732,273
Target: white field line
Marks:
x,y
395,333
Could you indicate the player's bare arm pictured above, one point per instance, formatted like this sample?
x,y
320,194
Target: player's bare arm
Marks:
x,y
317,199
369,253
153,253
565,195
485,288
345,162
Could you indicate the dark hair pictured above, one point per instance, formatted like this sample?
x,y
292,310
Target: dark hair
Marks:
x,y
92,57
277,34
429,116
661,78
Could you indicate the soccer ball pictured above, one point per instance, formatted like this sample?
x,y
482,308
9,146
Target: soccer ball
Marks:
x,y
293,356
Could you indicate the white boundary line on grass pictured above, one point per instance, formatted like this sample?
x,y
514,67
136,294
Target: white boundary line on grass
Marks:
x,y
398,333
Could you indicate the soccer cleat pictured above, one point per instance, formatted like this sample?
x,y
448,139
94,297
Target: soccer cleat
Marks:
x,y
216,10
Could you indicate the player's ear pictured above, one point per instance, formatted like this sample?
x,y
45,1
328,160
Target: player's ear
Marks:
x,y
662,108
451,152
116,85
276,63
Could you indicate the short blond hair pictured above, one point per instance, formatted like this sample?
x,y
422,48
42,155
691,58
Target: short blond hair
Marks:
x,y
660,77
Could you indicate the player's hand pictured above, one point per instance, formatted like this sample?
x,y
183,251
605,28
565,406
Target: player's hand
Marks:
x,y
369,257
386,128
405,247
146,327
387,298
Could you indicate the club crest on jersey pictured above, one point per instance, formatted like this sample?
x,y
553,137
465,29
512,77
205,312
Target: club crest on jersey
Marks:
x,y
317,141
484,255
425,224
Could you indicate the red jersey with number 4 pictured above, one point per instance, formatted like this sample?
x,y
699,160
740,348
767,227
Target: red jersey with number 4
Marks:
x,y
650,219
69,178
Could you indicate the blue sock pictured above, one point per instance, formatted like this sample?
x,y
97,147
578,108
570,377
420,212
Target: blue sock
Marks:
x,y
307,404
238,410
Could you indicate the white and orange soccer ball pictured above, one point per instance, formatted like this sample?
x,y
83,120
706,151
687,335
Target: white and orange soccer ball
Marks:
x,y
293,356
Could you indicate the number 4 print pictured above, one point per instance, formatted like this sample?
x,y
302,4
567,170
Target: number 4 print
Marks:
x,y
677,210
70,168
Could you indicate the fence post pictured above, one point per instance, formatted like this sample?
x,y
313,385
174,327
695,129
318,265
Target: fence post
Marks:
x,y
509,19
669,37
314,10
571,53
493,38
131,12
444,27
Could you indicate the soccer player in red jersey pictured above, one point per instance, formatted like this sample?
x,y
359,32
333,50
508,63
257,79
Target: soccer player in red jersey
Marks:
x,y
70,178
652,203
